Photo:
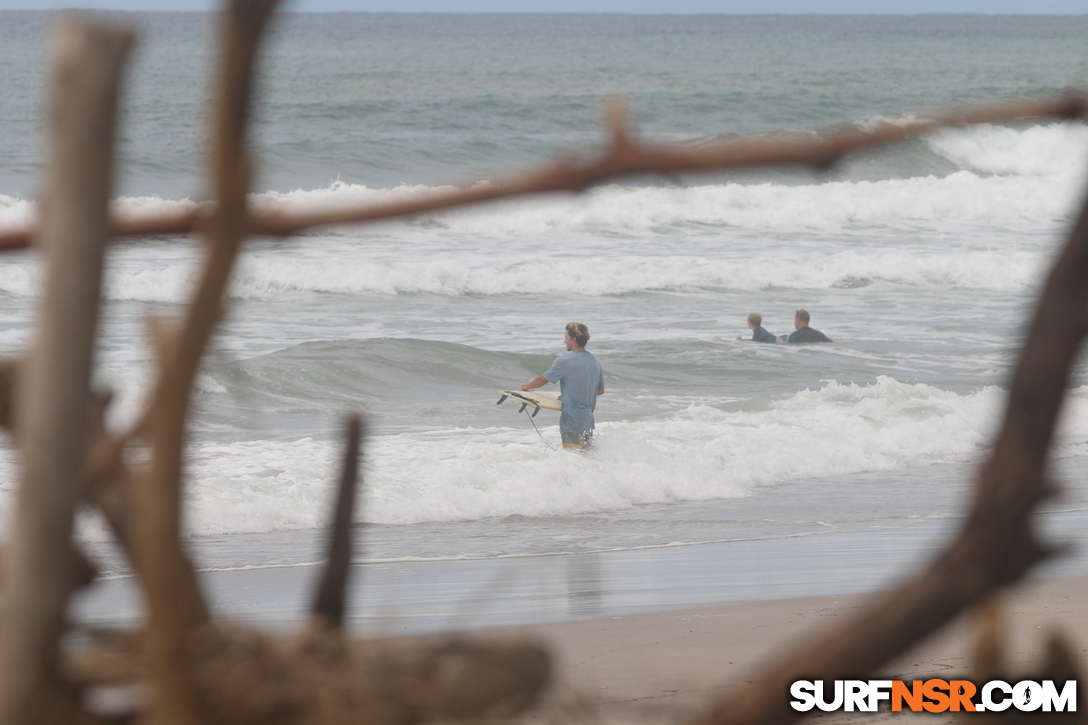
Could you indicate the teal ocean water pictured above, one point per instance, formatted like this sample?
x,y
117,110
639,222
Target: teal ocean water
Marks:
x,y
922,260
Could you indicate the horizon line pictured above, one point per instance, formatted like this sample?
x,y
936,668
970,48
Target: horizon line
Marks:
x,y
781,13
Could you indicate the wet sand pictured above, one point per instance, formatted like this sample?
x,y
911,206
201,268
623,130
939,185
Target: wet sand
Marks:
x,y
622,638
665,665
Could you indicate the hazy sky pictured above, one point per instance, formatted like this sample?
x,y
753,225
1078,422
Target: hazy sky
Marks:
x,y
1061,7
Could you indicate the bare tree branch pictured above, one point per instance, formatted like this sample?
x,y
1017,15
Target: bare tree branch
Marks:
x,y
997,545
625,156
176,608
329,600
53,392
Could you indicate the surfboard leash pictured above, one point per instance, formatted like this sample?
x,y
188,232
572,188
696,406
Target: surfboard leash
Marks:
x,y
542,438
536,409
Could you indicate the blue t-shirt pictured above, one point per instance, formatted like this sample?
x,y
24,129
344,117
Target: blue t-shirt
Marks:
x,y
580,377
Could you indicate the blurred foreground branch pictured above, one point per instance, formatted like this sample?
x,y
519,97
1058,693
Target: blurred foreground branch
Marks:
x,y
328,604
53,409
176,607
625,156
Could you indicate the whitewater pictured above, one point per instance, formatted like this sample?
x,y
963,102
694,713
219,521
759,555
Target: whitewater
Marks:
x,y
922,260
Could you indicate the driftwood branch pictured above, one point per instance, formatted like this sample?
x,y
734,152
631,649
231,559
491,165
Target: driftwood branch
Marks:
x,y
329,601
106,476
997,545
176,608
625,156
53,392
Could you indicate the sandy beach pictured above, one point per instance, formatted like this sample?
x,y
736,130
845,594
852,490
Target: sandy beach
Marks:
x,y
625,638
663,665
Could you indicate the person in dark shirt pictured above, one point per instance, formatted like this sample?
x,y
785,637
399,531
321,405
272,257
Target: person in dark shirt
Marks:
x,y
804,333
759,333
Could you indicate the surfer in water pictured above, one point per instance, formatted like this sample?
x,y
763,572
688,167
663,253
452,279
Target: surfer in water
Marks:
x,y
804,333
759,332
581,380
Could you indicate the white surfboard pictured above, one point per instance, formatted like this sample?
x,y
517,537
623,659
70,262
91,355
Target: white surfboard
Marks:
x,y
546,399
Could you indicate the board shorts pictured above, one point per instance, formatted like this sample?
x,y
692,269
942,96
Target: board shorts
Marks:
x,y
577,441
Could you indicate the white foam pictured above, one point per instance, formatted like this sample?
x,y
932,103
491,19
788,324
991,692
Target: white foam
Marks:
x,y
20,278
873,123
1039,169
142,207
1058,150
267,278
476,267
694,453
266,275
339,195
830,206
168,281
1042,166
16,213
983,228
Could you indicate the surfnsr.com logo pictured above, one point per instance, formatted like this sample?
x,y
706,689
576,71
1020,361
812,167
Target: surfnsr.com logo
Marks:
x,y
935,695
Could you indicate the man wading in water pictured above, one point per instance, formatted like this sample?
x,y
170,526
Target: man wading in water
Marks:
x,y
581,380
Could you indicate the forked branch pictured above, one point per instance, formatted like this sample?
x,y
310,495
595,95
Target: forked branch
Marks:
x,y
176,608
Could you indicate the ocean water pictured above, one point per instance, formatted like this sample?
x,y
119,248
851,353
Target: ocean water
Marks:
x,y
922,260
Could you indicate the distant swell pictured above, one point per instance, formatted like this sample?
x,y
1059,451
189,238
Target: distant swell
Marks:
x,y
829,206
602,276
1005,176
268,278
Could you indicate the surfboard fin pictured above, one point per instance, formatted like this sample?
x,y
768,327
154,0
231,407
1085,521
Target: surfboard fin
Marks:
x,y
501,399
535,411
523,405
